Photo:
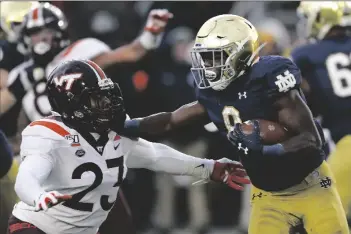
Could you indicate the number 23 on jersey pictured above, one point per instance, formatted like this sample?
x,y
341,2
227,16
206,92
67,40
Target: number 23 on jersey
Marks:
x,y
231,116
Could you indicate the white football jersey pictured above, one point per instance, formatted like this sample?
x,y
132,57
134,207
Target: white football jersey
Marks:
x,y
28,83
91,172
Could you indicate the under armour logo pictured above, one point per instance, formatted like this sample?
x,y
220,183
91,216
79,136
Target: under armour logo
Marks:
x,y
285,82
326,182
242,148
259,195
242,95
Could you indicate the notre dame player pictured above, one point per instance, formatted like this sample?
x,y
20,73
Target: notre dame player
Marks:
x,y
326,69
292,184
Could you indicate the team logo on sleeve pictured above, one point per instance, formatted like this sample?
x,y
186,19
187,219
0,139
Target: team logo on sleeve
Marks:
x,y
285,82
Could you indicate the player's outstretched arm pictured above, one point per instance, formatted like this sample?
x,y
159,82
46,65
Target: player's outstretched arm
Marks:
x,y
150,39
166,121
161,158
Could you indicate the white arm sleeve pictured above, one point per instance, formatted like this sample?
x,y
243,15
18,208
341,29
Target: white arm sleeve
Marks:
x,y
37,163
31,174
159,157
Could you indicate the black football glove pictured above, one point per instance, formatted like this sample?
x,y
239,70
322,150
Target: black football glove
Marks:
x,y
246,144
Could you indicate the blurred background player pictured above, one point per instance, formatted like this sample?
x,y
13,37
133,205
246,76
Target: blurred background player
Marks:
x,y
325,64
44,33
11,55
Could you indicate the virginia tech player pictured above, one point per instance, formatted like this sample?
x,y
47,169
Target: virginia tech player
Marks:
x,y
292,185
326,69
45,34
73,162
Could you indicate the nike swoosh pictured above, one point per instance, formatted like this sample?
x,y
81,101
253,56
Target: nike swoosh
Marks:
x,y
115,147
201,165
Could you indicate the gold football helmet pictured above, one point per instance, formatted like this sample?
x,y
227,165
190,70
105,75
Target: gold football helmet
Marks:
x,y
346,8
225,47
319,17
12,14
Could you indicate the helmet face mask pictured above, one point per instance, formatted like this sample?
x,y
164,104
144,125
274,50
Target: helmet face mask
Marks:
x,y
99,108
87,100
211,68
221,54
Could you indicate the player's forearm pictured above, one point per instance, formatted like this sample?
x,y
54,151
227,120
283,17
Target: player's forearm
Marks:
x,y
165,121
302,142
154,125
162,158
33,171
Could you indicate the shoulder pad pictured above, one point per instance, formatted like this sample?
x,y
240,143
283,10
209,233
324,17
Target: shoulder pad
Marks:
x,y
281,75
301,56
47,128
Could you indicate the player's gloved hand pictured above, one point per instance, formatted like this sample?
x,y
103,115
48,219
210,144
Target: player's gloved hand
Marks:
x,y
246,144
153,32
50,199
229,172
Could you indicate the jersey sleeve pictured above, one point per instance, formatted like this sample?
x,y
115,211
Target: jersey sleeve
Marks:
x,y
283,77
37,146
18,82
38,140
10,57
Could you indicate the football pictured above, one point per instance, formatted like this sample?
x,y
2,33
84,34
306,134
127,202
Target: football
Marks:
x,y
270,132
